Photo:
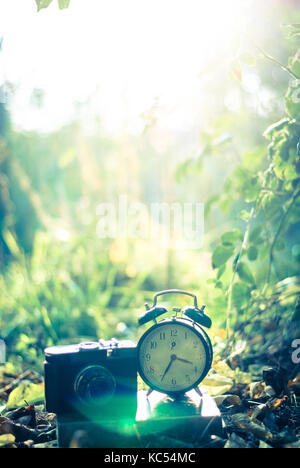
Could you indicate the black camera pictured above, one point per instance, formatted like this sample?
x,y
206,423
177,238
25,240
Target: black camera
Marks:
x,y
92,380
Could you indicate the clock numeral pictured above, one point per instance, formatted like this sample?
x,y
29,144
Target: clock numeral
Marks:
x,y
148,357
173,381
151,370
195,369
153,344
185,335
188,378
162,336
174,332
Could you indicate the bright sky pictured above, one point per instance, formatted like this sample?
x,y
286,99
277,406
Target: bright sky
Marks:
x,y
124,53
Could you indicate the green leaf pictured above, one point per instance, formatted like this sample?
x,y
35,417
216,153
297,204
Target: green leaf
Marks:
x,y
275,127
245,273
45,3
264,252
296,250
245,215
296,314
240,295
255,233
63,4
272,205
292,100
11,243
252,253
290,173
42,4
221,254
230,237
247,183
183,169
254,156
279,166
282,148
221,271
294,64
280,245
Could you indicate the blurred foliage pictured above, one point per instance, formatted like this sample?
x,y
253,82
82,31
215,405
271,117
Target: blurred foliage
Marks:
x,y
61,283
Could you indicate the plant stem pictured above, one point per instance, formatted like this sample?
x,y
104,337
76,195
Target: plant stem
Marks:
x,y
229,292
273,59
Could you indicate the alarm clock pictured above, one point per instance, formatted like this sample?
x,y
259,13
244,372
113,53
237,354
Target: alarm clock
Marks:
x,y
175,354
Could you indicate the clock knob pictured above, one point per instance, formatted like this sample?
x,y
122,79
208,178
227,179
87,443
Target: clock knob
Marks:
x,y
151,314
198,316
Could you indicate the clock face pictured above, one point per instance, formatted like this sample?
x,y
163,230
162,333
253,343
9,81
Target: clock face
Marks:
x,y
173,356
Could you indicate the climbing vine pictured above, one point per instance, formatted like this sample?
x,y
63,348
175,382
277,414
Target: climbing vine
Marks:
x,y
264,257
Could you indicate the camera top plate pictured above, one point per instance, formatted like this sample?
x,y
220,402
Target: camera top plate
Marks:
x,y
86,346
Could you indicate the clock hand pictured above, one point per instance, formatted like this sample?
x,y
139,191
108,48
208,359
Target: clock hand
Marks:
x,y
173,357
183,360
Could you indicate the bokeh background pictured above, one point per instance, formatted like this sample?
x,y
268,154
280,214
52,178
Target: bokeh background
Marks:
x,y
161,101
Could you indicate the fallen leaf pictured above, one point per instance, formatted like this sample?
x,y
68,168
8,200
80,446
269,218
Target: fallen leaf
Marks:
x,y
217,384
6,439
233,400
235,441
222,368
257,389
25,391
242,377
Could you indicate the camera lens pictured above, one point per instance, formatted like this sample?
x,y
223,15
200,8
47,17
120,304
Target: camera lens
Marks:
x,y
95,385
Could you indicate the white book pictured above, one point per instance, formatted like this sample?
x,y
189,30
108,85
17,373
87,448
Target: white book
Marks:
x,y
2,352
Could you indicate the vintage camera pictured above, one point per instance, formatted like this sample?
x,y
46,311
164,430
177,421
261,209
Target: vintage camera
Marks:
x,y
92,380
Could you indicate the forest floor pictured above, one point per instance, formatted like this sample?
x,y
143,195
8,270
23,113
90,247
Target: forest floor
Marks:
x,y
259,404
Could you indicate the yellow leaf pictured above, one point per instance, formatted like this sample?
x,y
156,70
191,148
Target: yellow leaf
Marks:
x,y
217,384
223,369
6,439
27,392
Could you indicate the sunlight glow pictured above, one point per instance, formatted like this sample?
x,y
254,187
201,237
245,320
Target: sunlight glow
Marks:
x,y
120,56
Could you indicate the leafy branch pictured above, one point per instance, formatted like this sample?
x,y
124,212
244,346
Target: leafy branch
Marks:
x,y
274,193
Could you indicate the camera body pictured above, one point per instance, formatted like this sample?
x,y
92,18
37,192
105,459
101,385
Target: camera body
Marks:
x,y
94,380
